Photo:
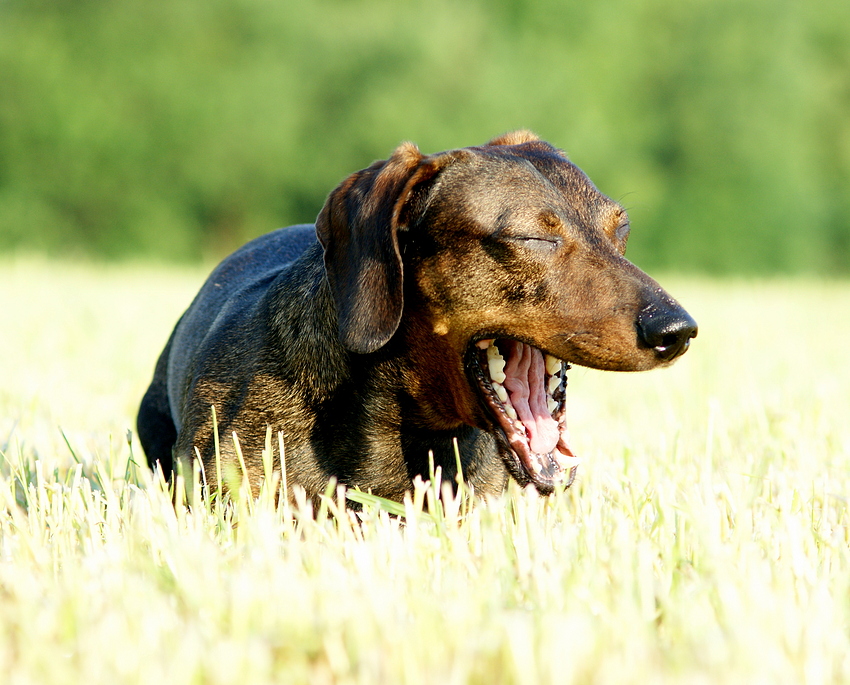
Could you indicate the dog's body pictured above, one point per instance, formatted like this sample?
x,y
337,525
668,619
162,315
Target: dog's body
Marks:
x,y
436,306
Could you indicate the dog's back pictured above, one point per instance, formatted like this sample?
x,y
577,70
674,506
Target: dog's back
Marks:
x,y
256,262
224,302
229,296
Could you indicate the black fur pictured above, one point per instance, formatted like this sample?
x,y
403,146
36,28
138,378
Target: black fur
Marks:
x,y
356,347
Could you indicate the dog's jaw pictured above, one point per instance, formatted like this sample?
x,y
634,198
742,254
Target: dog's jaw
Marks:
x,y
523,393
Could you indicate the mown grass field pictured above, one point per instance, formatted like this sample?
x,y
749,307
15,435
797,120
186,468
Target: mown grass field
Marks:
x,y
707,539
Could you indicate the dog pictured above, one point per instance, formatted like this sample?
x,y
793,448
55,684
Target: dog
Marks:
x,y
428,318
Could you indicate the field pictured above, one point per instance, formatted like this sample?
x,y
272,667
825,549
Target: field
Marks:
x,y
707,539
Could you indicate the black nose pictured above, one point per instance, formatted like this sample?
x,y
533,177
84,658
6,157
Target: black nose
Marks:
x,y
667,329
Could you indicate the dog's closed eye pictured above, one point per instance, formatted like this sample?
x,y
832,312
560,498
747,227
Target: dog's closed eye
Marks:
x,y
539,241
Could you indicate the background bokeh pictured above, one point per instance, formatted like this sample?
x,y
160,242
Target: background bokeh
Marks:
x,y
178,129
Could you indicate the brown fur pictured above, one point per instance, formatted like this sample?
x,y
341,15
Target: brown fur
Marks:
x,y
357,348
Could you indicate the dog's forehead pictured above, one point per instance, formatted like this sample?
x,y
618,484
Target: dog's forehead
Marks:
x,y
494,181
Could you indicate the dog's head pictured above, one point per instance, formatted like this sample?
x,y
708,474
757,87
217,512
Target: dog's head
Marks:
x,y
499,266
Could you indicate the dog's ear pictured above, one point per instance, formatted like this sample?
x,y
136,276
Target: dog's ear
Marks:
x,y
515,138
357,228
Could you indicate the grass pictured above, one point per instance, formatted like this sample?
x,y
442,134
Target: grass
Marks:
x,y
706,539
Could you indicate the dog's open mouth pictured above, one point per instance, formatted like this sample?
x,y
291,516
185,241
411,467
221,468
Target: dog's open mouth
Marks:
x,y
524,390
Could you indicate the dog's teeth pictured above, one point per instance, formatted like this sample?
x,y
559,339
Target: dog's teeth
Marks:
x,y
554,382
496,364
484,344
567,462
551,404
510,411
501,393
553,365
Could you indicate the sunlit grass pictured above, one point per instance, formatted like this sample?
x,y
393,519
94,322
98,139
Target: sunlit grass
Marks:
x,y
707,538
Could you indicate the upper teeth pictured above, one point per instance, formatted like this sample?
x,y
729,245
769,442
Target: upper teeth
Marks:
x,y
496,366
496,363
559,463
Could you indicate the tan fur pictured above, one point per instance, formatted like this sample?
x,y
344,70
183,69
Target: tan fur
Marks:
x,y
360,349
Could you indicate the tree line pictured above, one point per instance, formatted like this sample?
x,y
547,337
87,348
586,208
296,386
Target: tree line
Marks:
x,y
178,130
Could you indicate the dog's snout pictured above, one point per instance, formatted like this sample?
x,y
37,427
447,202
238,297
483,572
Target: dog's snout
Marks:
x,y
667,330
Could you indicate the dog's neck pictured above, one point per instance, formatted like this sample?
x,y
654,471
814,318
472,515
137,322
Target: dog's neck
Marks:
x,y
406,419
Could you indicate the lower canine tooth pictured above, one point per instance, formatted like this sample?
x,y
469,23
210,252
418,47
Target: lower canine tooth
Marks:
x,y
568,462
553,364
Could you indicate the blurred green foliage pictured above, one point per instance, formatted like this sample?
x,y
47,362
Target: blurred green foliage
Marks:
x,y
180,128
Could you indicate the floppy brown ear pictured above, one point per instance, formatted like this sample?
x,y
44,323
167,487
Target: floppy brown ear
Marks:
x,y
357,228
515,138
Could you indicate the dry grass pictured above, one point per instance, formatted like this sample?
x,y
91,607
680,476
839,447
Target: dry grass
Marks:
x,y
705,541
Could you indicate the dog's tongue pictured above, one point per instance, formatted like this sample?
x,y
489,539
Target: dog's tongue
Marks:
x,y
525,372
